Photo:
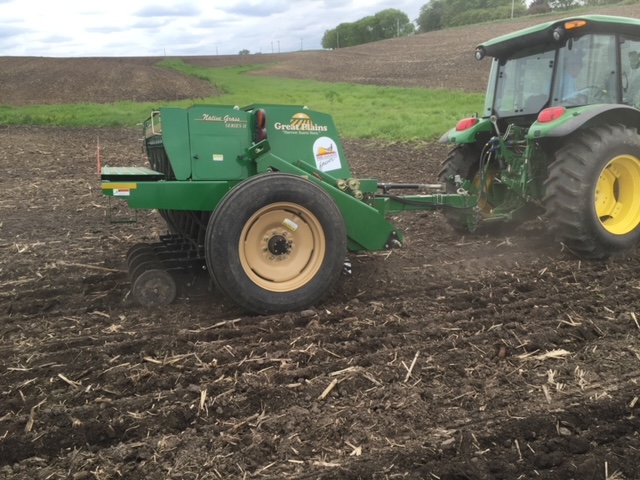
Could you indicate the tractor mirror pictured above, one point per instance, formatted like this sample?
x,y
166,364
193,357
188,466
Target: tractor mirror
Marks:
x,y
634,60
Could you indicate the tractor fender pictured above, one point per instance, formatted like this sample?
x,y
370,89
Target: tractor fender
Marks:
x,y
468,135
585,117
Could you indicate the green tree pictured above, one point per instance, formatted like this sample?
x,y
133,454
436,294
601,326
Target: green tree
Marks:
x,y
564,4
538,6
330,39
362,31
431,15
391,23
598,3
385,24
439,14
338,37
465,12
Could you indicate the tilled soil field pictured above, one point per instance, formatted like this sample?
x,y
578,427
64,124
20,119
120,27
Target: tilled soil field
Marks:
x,y
453,358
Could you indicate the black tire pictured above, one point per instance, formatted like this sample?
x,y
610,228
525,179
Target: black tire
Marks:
x,y
592,193
464,161
154,288
275,243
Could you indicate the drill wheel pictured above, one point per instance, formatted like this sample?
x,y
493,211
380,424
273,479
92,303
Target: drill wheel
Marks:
x,y
154,288
141,258
136,249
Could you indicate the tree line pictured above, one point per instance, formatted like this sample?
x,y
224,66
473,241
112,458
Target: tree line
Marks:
x,y
439,14
385,24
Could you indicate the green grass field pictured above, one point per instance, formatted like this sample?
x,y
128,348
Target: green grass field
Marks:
x,y
360,111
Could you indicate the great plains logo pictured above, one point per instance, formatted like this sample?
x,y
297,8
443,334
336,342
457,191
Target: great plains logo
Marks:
x,y
301,123
326,154
229,120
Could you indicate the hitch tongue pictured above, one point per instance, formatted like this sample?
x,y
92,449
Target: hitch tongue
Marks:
x,y
428,187
434,187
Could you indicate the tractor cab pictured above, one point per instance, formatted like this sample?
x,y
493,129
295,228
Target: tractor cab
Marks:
x,y
580,71
589,60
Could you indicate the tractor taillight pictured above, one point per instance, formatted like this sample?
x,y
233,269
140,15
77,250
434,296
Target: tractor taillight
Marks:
x,y
466,123
550,114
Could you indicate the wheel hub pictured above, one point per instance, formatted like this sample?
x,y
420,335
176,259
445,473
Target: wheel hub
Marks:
x,y
279,245
282,247
616,198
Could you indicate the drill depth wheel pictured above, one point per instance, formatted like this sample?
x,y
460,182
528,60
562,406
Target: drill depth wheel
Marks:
x,y
154,288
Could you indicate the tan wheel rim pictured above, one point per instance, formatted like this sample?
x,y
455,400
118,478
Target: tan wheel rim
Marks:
x,y
282,247
617,196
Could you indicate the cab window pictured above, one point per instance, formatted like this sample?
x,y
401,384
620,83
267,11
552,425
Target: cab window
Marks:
x,y
630,71
524,82
587,71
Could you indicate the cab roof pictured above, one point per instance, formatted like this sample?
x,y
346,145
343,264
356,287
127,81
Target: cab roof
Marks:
x,y
543,33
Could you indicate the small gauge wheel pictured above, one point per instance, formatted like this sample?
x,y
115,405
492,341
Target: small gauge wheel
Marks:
x,y
137,249
154,288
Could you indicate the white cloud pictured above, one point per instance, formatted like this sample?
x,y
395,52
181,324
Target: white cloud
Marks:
x,y
159,27
178,10
257,9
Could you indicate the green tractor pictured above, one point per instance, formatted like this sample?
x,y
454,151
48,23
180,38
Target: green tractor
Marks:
x,y
262,198
558,135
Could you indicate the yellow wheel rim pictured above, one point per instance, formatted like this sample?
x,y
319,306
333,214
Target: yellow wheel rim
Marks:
x,y
617,196
483,191
282,247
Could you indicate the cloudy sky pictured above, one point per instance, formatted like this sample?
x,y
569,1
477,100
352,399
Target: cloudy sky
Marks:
x,y
81,28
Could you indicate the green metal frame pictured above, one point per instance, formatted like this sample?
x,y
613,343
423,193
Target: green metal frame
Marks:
x,y
202,152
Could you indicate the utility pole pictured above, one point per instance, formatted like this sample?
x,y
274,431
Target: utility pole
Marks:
x,y
271,46
301,44
278,46
513,2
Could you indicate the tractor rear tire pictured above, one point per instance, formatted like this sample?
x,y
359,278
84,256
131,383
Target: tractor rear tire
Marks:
x,y
593,192
463,160
275,243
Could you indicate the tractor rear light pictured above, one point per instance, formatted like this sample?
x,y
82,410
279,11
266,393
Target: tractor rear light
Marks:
x,y
466,123
550,114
